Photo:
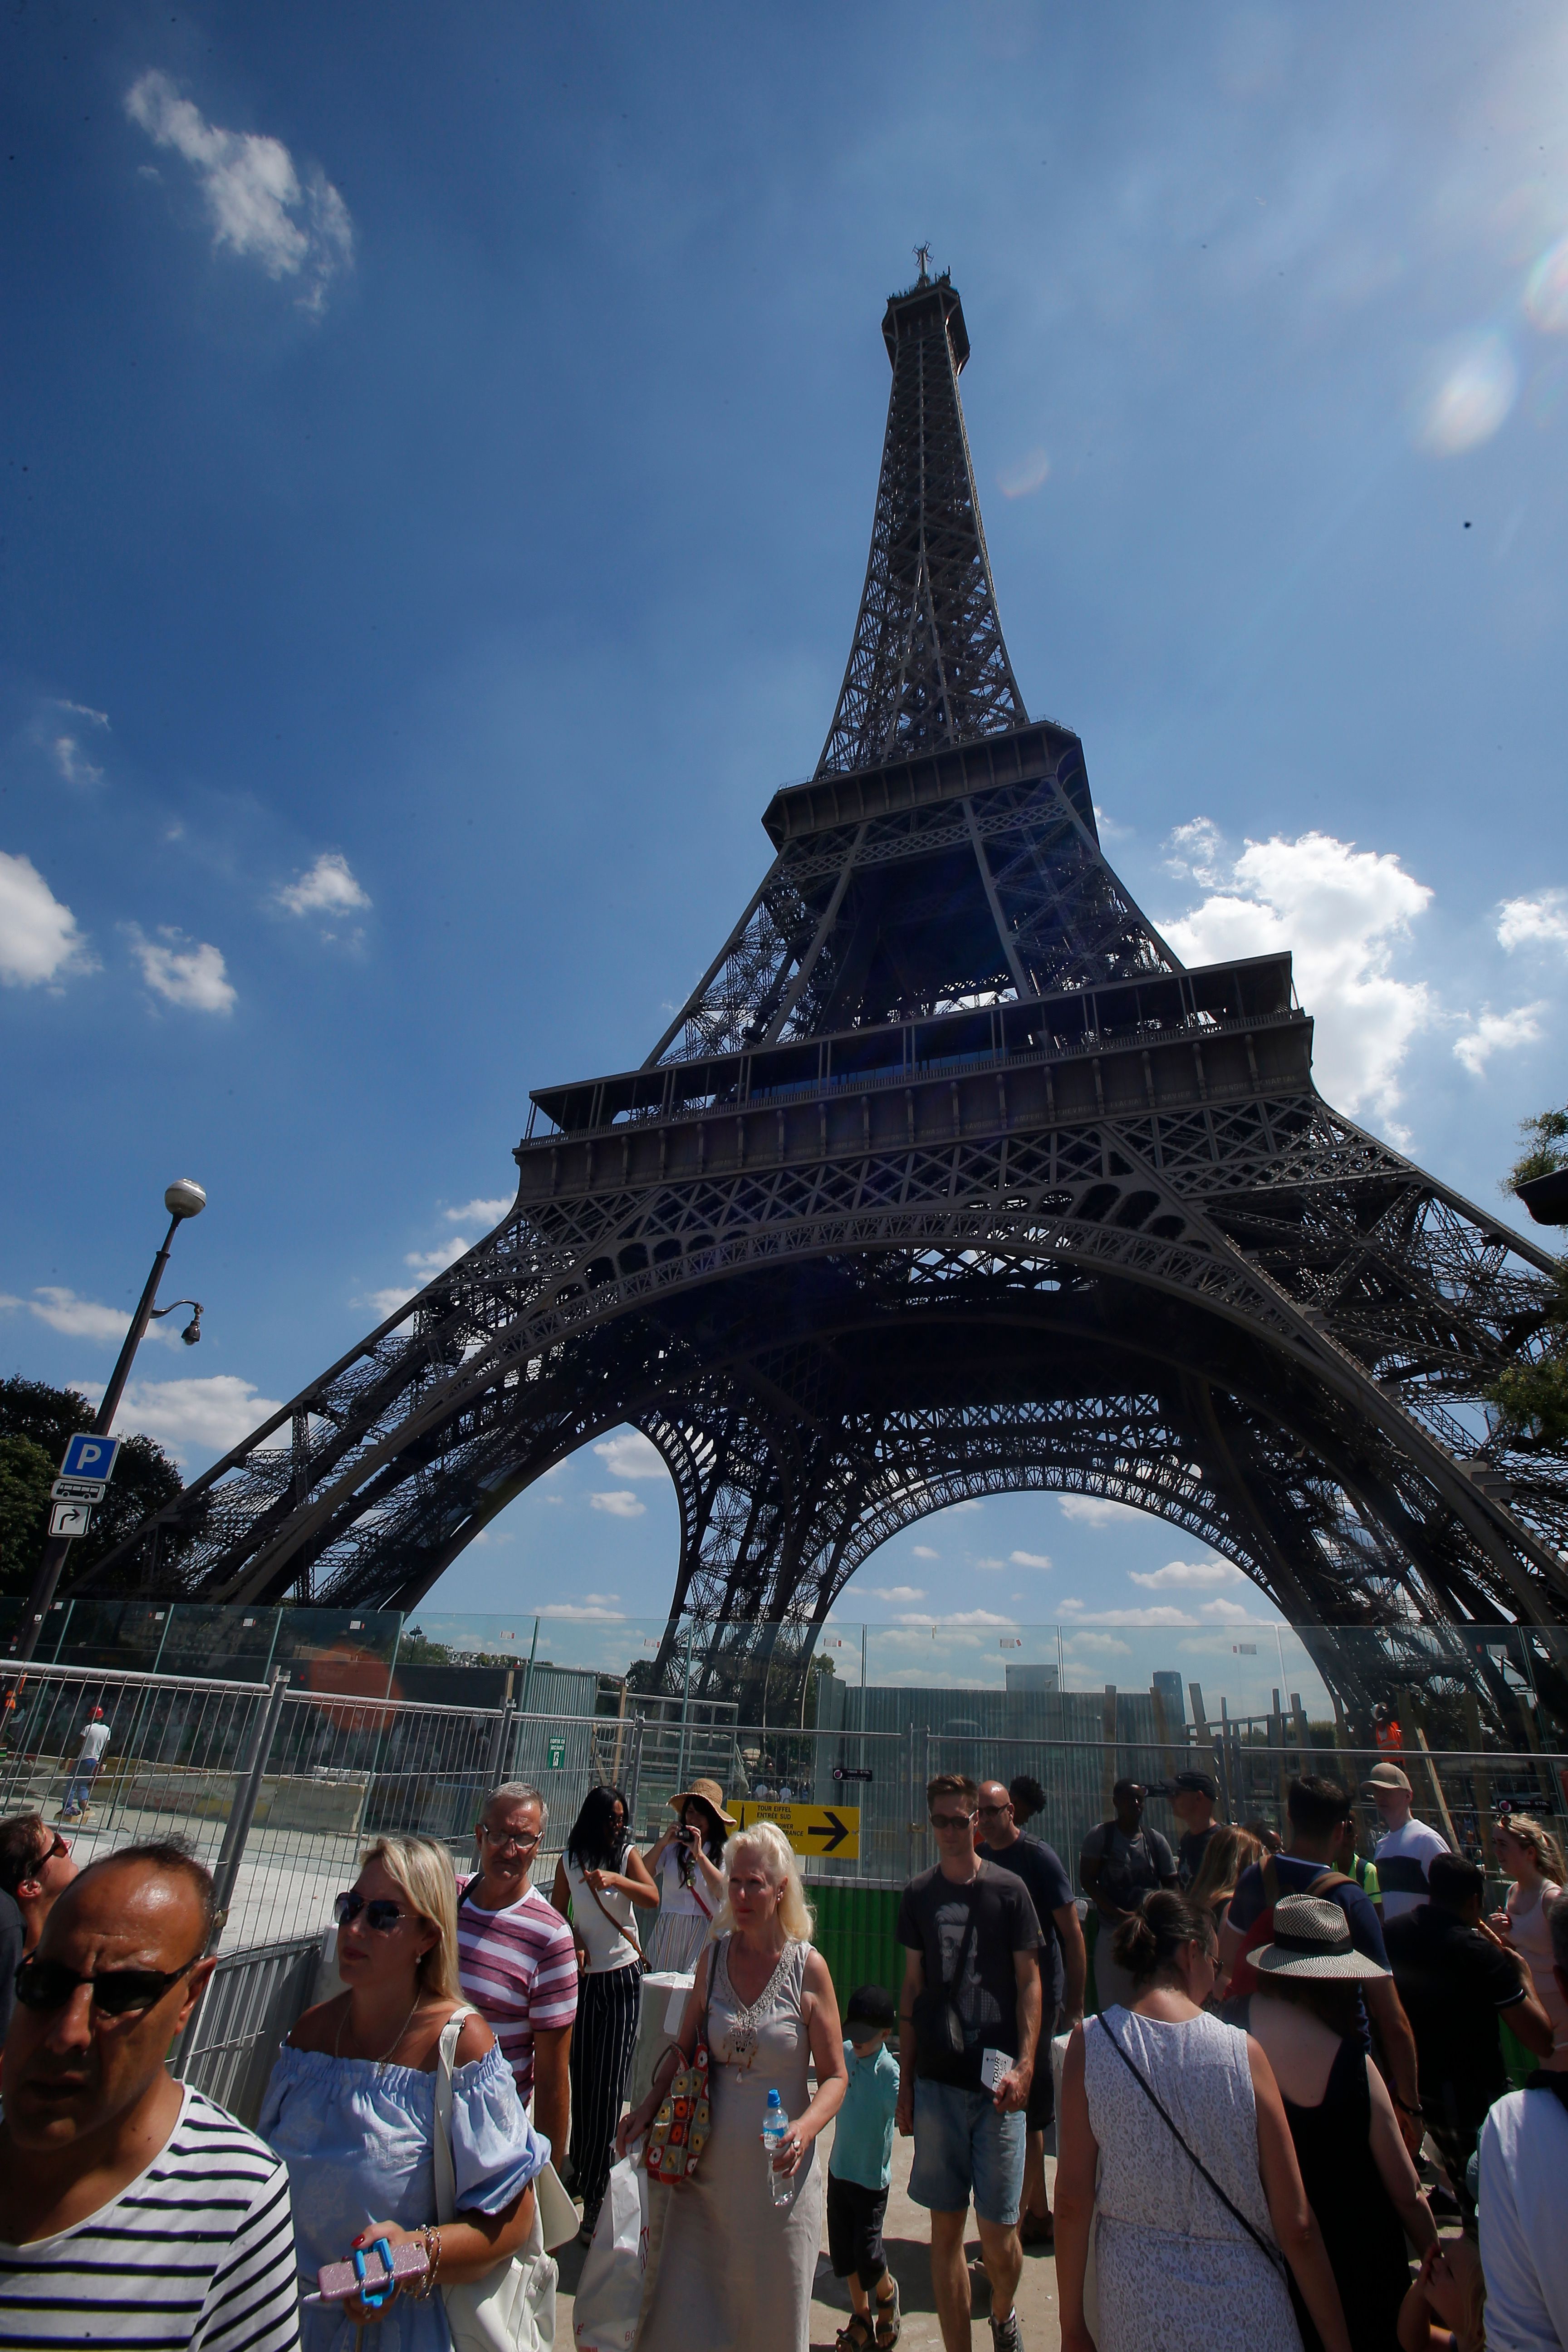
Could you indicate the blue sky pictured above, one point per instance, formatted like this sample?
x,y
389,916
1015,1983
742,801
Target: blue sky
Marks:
x,y
438,451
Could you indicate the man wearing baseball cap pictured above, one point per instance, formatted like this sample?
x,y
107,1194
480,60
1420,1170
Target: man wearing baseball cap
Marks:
x,y
1403,1854
1194,1796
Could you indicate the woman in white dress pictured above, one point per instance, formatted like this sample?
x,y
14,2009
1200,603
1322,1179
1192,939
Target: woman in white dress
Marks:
x,y
602,1876
687,1865
735,2268
1528,1853
1190,2241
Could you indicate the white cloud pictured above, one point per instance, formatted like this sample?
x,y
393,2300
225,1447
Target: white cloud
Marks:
x,y
1095,1510
1157,1614
1187,1575
479,1213
328,887
1343,912
985,1563
1225,1613
923,1551
1498,1033
190,1417
194,976
382,1303
959,1617
1540,922
630,1455
255,200
428,1262
73,763
38,937
972,1504
1029,1559
83,1318
1095,1645
592,1610
621,1504
895,1592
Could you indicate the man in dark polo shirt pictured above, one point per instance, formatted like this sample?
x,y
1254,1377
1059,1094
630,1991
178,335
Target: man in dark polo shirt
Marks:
x,y
969,2024
1456,1979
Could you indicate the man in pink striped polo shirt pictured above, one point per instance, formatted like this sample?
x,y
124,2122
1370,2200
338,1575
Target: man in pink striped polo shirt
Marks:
x,y
516,1957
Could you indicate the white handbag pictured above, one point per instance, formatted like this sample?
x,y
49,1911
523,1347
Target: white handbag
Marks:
x,y
513,2307
608,2301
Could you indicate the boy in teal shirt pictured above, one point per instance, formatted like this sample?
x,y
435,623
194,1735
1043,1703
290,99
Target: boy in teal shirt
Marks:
x,y
860,2171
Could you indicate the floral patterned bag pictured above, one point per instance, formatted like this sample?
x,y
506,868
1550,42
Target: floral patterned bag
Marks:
x,y
678,2133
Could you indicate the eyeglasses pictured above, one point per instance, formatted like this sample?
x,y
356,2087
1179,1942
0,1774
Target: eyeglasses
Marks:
x,y
993,1809
508,1841
951,1820
47,1985
380,1912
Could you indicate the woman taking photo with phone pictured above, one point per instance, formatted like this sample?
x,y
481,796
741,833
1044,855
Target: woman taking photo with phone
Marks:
x,y
351,2108
686,1867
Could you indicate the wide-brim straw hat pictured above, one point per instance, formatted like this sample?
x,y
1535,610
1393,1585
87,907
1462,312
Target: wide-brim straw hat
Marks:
x,y
710,1794
1311,1938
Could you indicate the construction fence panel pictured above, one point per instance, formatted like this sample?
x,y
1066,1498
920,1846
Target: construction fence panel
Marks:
x,y
252,1999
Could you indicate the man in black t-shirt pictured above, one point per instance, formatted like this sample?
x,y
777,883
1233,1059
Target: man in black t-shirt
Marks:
x,y
1194,1796
1456,1979
1121,1861
969,2024
1062,1967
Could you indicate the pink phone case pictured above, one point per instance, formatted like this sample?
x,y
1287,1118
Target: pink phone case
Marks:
x,y
337,2281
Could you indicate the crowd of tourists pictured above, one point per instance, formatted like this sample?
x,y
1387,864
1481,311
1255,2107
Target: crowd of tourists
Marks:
x,y
1274,2074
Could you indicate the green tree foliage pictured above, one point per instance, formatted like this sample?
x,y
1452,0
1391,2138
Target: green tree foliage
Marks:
x,y
1545,1147
35,1421
1532,1396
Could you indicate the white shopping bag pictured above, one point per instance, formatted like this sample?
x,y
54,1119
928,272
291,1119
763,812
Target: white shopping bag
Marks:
x,y
609,2292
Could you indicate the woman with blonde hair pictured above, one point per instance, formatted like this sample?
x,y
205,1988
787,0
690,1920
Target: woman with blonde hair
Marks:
x,y
352,2108
1529,1854
735,2267
1228,1852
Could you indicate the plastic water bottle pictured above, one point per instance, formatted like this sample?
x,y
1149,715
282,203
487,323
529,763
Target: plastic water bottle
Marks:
x,y
775,2129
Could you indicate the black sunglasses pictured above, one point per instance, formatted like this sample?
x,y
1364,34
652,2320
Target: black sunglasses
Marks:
x,y
46,1985
381,1913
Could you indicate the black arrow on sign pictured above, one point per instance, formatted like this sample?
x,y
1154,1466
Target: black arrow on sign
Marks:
x,y
836,1836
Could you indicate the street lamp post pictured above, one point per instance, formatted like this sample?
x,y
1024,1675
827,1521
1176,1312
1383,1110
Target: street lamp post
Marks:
x,y
181,1200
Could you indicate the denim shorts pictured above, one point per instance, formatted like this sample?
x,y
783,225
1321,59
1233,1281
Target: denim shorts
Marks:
x,y
964,2149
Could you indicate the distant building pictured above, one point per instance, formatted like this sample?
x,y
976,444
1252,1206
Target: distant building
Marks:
x,y
1168,1686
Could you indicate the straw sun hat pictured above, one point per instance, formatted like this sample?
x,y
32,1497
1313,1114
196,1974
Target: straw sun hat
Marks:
x,y
711,1794
1311,1938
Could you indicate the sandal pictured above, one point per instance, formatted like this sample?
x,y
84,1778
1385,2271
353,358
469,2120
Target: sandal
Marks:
x,y
855,2338
889,2318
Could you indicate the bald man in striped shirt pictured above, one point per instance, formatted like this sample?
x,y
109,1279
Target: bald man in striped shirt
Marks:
x,y
135,2212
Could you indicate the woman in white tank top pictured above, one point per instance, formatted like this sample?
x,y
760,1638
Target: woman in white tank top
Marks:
x,y
603,1878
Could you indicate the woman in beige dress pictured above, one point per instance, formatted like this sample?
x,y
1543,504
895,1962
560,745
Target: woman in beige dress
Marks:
x,y
735,2267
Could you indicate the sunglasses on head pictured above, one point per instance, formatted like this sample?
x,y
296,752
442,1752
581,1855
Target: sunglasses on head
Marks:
x,y
380,1913
45,1985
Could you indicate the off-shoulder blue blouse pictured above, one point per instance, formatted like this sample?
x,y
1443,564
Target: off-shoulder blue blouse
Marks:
x,y
358,2140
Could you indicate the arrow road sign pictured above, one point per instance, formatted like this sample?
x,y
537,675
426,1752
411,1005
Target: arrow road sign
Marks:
x,y
810,1829
69,1519
89,1457
79,1490
852,1771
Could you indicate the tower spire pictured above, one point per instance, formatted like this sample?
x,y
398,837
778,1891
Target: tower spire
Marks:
x,y
928,666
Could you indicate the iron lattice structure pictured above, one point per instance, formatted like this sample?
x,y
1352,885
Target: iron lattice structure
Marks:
x,y
949,1179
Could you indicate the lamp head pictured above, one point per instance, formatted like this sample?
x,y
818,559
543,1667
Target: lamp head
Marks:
x,y
184,1198
192,1330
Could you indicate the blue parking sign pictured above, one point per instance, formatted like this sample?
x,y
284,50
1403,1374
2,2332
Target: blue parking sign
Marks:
x,y
87,1456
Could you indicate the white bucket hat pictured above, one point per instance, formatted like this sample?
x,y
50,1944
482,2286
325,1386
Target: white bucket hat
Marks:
x,y
1311,1938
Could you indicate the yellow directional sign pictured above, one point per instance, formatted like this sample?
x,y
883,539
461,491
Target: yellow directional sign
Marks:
x,y
813,1830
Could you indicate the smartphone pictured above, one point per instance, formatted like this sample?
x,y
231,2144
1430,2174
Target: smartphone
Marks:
x,y
994,2064
337,2281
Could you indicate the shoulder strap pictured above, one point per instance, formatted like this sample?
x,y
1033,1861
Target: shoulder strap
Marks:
x,y
441,2149
630,1932
950,1984
1329,1881
1273,2252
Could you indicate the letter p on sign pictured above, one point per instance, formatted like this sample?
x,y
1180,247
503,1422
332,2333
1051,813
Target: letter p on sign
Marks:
x,y
87,1456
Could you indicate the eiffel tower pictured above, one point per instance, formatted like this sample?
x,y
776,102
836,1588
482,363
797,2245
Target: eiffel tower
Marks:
x,y
949,1179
